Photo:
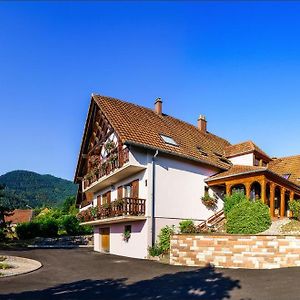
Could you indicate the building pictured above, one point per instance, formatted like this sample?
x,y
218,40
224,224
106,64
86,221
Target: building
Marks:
x,y
18,216
140,169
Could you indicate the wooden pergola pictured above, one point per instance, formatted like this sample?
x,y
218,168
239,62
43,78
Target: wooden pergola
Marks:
x,y
271,188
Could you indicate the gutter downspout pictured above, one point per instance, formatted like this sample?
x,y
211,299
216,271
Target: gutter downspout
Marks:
x,y
153,197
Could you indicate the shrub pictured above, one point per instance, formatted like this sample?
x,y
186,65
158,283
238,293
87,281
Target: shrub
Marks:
x,y
248,217
28,230
294,206
231,200
49,228
155,250
163,244
71,225
165,236
2,234
187,226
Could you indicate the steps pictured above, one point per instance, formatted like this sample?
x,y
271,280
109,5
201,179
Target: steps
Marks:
x,y
214,223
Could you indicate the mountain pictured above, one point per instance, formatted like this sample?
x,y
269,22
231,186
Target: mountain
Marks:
x,y
38,190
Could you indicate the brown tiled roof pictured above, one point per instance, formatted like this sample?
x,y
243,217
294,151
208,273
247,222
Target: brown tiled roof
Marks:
x,y
20,216
287,165
237,170
243,148
142,126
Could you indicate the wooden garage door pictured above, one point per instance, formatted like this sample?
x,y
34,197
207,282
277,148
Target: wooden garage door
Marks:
x,y
105,239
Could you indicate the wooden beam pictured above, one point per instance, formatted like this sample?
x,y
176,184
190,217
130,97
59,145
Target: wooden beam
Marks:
x,y
272,199
282,202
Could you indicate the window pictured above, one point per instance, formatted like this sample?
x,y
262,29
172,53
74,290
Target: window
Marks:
x,y
106,198
256,162
206,190
127,228
286,176
168,140
131,190
127,190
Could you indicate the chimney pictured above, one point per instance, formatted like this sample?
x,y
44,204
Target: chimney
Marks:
x,y
158,106
202,124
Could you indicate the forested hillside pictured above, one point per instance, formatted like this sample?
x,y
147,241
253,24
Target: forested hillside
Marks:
x,y
37,190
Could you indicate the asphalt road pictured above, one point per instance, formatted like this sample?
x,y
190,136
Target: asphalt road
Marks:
x,y
84,274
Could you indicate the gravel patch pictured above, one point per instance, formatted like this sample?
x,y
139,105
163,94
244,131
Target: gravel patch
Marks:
x,y
19,265
275,228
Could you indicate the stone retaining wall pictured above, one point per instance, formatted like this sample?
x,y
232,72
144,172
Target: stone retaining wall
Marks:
x,y
64,241
236,251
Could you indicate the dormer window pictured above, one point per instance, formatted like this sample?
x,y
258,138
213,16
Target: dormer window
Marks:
x,y
286,176
168,140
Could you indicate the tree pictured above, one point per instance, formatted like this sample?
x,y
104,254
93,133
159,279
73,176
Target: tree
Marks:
x,y
68,206
8,202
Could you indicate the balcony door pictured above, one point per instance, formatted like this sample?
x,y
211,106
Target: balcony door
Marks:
x,y
131,190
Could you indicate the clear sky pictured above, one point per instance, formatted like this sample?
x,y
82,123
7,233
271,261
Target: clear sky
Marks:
x,y
238,63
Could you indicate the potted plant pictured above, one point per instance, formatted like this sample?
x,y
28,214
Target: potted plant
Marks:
x,y
105,205
109,146
94,212
209,201
113,160
118,202
126,235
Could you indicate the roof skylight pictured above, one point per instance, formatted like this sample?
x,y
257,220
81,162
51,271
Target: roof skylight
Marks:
x,y
168,140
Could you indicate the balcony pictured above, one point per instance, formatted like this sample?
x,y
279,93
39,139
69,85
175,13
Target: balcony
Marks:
x,y
122,210
110,170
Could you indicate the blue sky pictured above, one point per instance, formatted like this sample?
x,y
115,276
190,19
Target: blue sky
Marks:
x,y
238,63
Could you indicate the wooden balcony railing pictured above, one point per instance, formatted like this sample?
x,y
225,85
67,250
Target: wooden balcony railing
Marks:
x,y
122,207
115,159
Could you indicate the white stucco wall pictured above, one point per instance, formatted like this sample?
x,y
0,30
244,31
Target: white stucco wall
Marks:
x,y
179,188
245,160
178,191
135,247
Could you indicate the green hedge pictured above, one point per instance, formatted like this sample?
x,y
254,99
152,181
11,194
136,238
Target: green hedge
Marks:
x,y
50,227
248,217
28,230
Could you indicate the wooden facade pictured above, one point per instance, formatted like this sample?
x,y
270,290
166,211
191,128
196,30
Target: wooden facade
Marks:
x,y
270,188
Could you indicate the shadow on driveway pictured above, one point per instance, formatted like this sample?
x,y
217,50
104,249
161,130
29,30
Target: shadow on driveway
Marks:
x,y
203,283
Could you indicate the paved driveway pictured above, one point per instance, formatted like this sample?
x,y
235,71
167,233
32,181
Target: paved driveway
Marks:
x,y
84,274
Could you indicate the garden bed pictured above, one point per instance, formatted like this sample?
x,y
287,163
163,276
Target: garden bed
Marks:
x,y
14,265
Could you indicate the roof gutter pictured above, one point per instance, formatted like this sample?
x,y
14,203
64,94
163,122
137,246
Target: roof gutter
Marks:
x,y
153,199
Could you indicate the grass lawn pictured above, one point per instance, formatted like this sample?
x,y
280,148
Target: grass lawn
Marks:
x,y
291,227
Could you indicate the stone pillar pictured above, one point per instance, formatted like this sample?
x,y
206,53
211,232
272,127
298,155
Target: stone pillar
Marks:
x,y
272,199
282,202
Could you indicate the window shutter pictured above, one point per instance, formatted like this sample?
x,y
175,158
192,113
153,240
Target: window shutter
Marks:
x,y
135,189
120,192
89,197
108,195
98,200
